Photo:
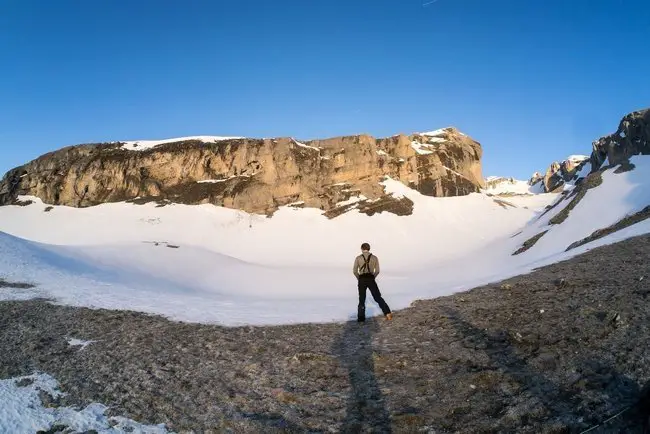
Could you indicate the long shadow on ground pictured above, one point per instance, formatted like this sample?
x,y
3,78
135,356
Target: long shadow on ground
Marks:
x,y
366,407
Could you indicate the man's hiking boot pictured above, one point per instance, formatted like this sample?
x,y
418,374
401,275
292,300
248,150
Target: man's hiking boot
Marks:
x,y
389,316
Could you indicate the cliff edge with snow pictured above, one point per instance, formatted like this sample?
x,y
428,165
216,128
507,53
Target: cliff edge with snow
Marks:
x,y
254,175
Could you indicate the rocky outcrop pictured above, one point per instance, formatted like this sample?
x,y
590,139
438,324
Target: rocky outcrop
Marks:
x,y
254,175
553,180
631,138
560,173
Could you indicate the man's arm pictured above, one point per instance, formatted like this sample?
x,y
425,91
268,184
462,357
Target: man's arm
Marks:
x,y
376,273
355,268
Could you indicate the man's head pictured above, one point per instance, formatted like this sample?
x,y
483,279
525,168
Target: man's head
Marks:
x,y
365,247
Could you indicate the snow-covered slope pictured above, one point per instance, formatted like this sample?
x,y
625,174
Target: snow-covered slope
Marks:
x,y
210,264
619,195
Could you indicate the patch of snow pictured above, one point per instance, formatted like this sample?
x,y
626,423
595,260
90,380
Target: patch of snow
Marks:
x,y
533,201
217,181
139,145
577,158
584,171
383,153
22,411
437,140
73,342
27,198
397,189
214,181
419,148
302,145
538,188
352,200
434,133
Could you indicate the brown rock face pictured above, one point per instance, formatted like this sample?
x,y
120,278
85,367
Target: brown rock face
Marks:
x,y
253,175
553,180
631,138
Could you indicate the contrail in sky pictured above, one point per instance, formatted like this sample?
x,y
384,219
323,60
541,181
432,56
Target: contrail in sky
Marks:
x,y
429,3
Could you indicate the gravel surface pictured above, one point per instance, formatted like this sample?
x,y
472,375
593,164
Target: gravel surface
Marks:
x,y
554,351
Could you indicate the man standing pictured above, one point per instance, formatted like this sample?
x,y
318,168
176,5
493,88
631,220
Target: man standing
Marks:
x,y
366,269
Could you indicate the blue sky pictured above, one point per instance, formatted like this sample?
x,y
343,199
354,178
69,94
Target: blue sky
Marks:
x,y
533,81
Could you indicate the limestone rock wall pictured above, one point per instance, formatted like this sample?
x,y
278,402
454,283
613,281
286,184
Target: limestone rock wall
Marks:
x,y
253,175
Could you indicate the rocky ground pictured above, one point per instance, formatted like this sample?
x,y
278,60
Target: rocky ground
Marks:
x,y
555,351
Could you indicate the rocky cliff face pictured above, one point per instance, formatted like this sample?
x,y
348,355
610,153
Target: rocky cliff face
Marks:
x,y
254,175
559,173
631,138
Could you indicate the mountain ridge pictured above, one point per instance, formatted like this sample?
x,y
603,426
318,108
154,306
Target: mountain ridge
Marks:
x,y
253,175
632,137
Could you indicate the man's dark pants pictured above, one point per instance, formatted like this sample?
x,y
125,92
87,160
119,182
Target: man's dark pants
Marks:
x,y
367,281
